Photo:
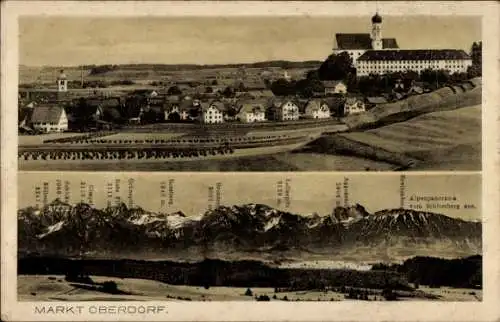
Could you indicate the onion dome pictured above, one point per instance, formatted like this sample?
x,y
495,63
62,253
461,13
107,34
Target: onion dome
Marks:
x,y
377,18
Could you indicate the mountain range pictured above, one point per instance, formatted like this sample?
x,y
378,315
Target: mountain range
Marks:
x,y
348,232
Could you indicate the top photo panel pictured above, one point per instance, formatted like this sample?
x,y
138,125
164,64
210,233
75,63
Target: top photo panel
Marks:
x,y
375,92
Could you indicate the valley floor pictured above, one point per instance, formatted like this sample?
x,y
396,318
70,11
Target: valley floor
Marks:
x,y
55,288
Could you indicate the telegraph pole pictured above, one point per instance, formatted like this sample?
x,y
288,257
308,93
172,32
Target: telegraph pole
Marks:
x,y
81,76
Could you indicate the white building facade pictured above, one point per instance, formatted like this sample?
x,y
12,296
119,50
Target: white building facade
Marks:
x,y
250,113
286,111
417,60
212,114
334,87
353,105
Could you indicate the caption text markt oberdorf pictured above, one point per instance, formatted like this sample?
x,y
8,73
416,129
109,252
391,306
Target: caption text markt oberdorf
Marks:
x,y
100,309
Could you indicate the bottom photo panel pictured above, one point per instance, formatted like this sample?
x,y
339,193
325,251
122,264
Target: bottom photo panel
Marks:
x,y
249,237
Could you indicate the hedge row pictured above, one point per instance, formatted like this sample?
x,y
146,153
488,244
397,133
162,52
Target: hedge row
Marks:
x,y
190,140
274,124
79,137
123,154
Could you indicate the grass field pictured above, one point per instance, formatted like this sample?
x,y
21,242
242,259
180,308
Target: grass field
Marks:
x,y
440,140
426,132
26,140
141,136
255,159
55,288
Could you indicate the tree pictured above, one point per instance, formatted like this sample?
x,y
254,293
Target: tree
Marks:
x,y
370,85
209,89
312,74
231,111
477,55
436,78
282,87
263,298
109,287
336,67
474,71
248,292
307,87
101,69
228,92
241,87
174,90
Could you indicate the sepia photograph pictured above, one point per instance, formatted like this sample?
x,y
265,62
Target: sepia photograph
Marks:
x,y
301,237
249,161
346,93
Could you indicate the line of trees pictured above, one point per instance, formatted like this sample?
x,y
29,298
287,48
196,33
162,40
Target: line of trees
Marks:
x,y
99,69
435,272
304,88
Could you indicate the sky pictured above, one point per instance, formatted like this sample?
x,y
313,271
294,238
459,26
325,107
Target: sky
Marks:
x,y
65,41
312,192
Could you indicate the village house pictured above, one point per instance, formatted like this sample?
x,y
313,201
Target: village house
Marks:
x,y
251,111
399,86
283,110
334,87
49,118
212,113
177,110
316,109
100,109
258,93
353,105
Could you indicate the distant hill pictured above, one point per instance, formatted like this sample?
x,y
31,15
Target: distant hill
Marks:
x,y
145,72
176,67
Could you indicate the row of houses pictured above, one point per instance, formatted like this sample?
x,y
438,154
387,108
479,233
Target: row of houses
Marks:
x,y
54,118
249,111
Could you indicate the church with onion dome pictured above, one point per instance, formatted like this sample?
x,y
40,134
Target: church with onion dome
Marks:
x,y
372,54
356,44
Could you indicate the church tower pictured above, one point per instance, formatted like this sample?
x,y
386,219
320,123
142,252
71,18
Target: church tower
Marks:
x,y
376,34
62,82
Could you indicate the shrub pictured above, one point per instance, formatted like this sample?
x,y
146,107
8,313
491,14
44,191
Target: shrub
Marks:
x,y
248,292
110,287
389,295
263,298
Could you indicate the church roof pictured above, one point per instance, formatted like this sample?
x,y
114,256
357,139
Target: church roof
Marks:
x,y
46,114
415,54
362,41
